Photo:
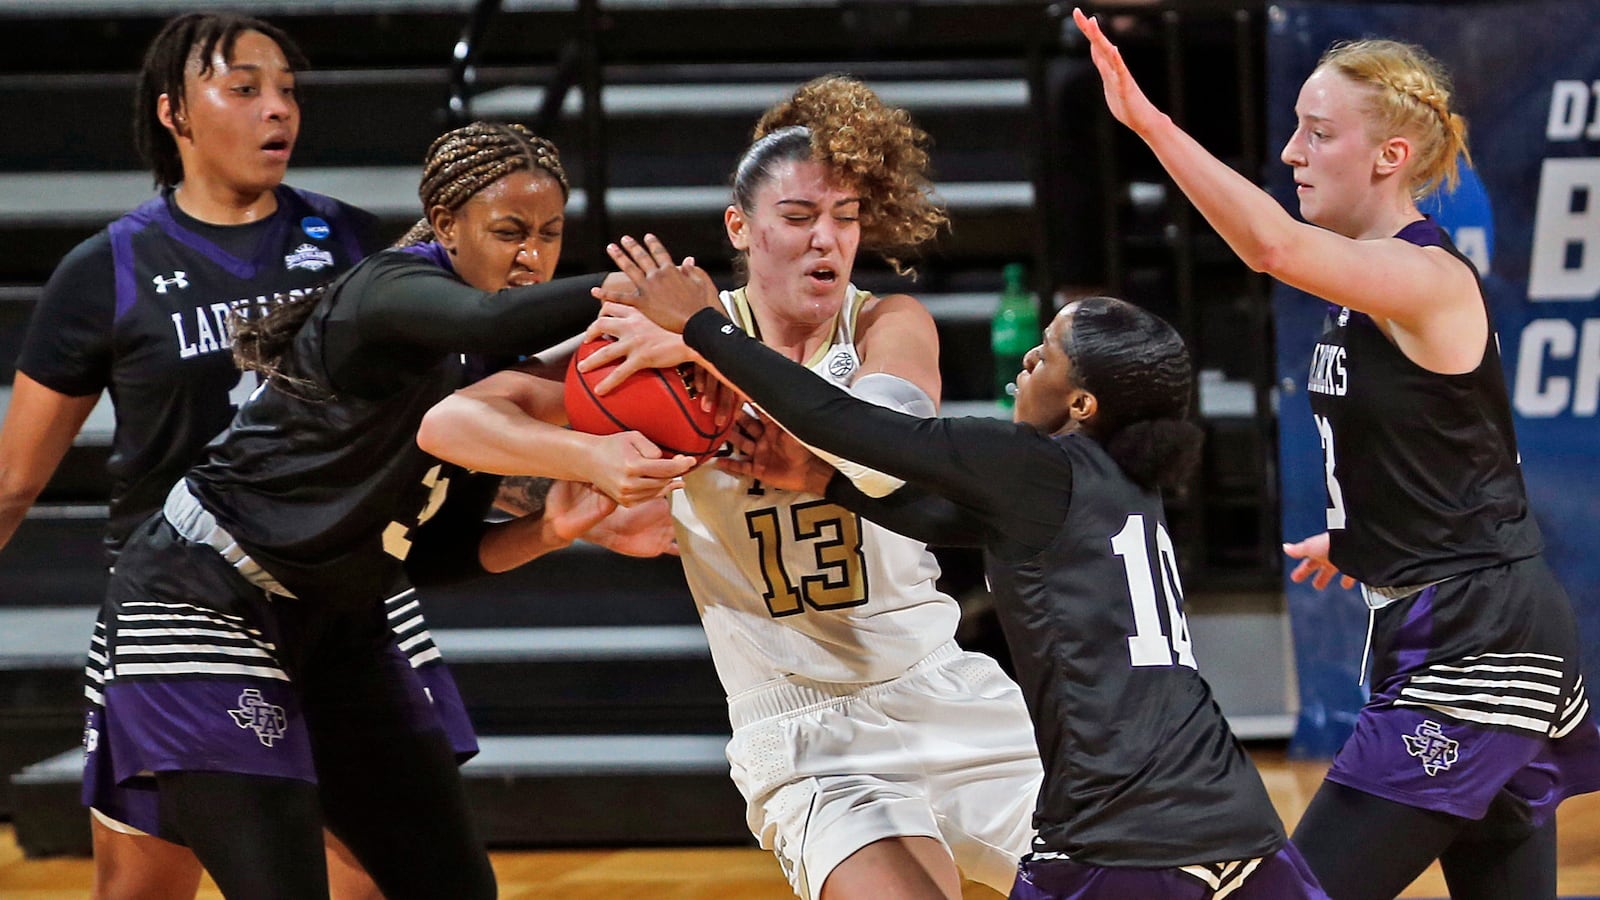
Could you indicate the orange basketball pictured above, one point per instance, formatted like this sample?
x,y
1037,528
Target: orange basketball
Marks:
x,y
660,404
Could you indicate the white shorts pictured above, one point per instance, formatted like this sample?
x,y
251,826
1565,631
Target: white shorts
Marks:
x,y
945,751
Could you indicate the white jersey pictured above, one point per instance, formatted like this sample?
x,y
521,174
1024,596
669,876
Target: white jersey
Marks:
x,y
790,584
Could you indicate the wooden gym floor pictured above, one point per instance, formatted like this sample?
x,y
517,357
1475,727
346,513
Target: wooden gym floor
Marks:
x,y
722,873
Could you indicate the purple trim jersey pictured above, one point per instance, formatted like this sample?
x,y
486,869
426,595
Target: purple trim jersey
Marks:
x,y
142,309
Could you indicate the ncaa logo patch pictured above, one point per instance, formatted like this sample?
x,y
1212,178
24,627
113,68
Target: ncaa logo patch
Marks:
x,y
265,719
309,257
315,228
1428,743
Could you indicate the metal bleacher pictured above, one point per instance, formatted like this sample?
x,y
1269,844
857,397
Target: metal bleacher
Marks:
x,y
586,672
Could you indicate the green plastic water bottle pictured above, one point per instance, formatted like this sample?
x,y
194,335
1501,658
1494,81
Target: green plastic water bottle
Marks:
x,y
1013,332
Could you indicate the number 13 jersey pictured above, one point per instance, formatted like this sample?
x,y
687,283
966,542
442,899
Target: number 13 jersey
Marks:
x,y
788,583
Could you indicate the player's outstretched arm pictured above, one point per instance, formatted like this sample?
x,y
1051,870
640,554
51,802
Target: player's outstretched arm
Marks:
x,y
1425,291
570,509
502,425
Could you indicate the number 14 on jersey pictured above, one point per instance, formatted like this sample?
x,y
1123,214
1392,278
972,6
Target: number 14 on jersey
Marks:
x,y
1149,645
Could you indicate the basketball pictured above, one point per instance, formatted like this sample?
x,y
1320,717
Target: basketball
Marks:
x,y
660,404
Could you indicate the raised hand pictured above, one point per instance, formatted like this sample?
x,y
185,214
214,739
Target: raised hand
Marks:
x,y
669,294
1127,102
1313,555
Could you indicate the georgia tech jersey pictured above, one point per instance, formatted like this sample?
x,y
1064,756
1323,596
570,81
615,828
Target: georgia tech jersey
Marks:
x,y
788,583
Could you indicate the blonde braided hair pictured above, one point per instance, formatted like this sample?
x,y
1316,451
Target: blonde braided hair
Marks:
x,y
1411,95
464,161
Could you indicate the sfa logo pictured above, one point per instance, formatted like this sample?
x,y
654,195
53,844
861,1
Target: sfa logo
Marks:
x,y
1428,743
265,719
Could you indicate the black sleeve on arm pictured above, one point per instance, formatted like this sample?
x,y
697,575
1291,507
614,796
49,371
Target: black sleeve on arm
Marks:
x,y
425,306
1014,480
913,512
444,550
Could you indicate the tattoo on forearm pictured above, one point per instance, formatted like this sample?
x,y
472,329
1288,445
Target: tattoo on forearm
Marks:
x,y
523,495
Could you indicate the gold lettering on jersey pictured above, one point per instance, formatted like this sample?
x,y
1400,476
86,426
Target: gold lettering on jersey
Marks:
x,y
1328,374
839,575
781,596
835,535
397,535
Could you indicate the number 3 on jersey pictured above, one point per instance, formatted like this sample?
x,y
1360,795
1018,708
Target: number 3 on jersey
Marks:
x,y
397,536
839,572
1148,645
1335,492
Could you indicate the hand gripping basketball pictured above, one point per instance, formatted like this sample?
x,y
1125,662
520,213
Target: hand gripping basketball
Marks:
x,y
661,404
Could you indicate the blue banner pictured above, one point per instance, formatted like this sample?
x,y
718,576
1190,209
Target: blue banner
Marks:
x,y
1527,79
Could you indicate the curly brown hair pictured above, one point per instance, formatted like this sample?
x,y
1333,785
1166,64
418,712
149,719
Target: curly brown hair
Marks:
x,y
866,143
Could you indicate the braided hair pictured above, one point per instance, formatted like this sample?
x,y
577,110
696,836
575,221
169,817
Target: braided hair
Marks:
x,y
874,147
460,163
189,38
1137,367
468,159
1411,95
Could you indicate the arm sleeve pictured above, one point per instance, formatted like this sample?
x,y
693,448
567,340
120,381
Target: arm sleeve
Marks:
x,y
913,512
422,305
444,549
68,344
1014,480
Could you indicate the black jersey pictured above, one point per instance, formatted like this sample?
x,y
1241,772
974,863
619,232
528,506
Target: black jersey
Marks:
x,y
320,478
1141,769
141,308
1422,473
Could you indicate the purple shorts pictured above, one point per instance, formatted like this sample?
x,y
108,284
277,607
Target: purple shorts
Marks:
x,y
194,669
413,639
1281,876
1477,698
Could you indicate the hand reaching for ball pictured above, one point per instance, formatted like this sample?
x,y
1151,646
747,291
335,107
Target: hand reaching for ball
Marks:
x,y
636,344
668,293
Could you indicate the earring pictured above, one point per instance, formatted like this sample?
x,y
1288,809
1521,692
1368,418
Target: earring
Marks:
x,y
450,250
